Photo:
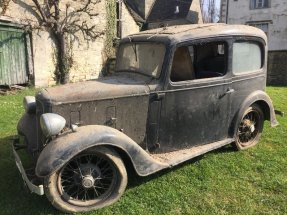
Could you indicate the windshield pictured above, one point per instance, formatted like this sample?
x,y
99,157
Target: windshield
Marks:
x,y
144,58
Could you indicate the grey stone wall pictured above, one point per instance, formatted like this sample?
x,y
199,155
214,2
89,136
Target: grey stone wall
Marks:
x,y
277,68
239,12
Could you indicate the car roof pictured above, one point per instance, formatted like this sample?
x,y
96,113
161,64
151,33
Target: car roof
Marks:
x,y
193,31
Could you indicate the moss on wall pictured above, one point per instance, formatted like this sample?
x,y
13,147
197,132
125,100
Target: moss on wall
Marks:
x,y
110,28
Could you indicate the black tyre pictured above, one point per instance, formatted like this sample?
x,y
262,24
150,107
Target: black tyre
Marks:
x,y
91,180
250,128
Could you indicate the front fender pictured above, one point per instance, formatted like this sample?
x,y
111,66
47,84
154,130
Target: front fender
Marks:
x,y
59,151
263,100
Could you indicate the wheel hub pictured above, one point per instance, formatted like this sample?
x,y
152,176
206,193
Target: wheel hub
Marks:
x,y
252,128
249,125
88,182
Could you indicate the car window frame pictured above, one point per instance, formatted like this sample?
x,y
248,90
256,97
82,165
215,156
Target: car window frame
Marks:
x,y
166,54
262,46
225,39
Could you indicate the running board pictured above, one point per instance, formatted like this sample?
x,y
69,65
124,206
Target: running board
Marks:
x,y
176,157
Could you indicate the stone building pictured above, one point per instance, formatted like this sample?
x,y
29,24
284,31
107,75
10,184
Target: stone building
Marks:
x,y
30,57
271,17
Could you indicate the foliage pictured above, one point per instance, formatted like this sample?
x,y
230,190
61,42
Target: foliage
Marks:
x,y
110,28
221,182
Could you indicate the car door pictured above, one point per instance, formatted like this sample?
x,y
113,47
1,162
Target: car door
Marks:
x,y
195,106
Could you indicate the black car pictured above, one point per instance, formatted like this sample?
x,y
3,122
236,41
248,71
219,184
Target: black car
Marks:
x,y
176,93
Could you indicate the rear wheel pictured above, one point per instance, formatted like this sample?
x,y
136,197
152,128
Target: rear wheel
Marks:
x,y
250,128
93,179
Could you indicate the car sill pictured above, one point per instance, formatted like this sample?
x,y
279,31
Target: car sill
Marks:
x,y
180,156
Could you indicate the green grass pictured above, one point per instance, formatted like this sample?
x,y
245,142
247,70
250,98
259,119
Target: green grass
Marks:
x,y
220,182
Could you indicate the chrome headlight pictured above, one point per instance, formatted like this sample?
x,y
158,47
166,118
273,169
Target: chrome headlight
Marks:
x,y
52,124
29,103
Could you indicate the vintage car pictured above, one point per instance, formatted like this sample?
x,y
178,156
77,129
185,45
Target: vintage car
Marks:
x,y
176,93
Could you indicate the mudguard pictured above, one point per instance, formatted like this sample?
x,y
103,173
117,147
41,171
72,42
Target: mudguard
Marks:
x,y
263,100
59,151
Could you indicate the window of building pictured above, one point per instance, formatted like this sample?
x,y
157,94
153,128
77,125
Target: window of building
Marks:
x,y
257,4
119,18
205,60
247,56
264,26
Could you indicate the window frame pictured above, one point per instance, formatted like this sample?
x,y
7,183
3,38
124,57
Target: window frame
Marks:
x,y
257,23
162,69
263,57
225,40
254,4
119,19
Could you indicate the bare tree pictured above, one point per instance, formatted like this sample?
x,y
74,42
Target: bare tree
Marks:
x,y
61,22
210,13
4,6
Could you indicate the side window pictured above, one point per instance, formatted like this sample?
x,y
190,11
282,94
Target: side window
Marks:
x,y
204,60
258,4
247,56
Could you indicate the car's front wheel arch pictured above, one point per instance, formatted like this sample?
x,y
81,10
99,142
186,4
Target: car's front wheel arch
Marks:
x,y
85,185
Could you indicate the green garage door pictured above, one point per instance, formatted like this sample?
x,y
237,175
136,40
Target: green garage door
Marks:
x,y
13,57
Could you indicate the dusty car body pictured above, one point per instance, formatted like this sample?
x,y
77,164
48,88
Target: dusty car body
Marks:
x,y
177,92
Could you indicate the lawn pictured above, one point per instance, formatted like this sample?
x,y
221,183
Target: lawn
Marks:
x,y
221,182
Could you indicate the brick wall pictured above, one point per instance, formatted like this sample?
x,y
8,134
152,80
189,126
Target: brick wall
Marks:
x,y
277,68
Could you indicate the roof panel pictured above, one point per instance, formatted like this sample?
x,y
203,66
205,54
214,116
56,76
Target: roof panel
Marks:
x,y
182,32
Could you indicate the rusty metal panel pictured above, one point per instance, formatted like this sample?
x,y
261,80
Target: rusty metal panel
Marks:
x,y
13,60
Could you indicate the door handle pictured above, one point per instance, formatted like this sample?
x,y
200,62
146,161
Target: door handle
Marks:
x,y
159,96
229,91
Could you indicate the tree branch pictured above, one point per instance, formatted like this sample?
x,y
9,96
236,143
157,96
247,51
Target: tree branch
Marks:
x,y
40,9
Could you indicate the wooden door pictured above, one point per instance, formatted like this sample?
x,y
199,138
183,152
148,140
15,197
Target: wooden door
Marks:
x,y
13,56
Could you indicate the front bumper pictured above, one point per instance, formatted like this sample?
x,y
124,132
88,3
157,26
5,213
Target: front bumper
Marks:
x,y
38,189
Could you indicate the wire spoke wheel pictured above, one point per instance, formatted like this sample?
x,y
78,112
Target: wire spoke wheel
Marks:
x,y
93,179
86,179
250,128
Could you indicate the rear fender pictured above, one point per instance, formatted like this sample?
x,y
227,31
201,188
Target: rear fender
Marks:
x,y
263,100
59,151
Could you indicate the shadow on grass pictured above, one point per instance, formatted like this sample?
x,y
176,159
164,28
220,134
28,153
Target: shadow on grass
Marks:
x,y
15,197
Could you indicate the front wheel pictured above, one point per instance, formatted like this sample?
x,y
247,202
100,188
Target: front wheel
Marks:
x,y
250,128
93,179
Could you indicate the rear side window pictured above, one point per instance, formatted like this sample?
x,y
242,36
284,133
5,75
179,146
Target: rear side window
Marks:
x,y
247,56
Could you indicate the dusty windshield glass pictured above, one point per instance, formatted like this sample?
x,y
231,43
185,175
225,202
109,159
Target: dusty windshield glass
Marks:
x,y
144,58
